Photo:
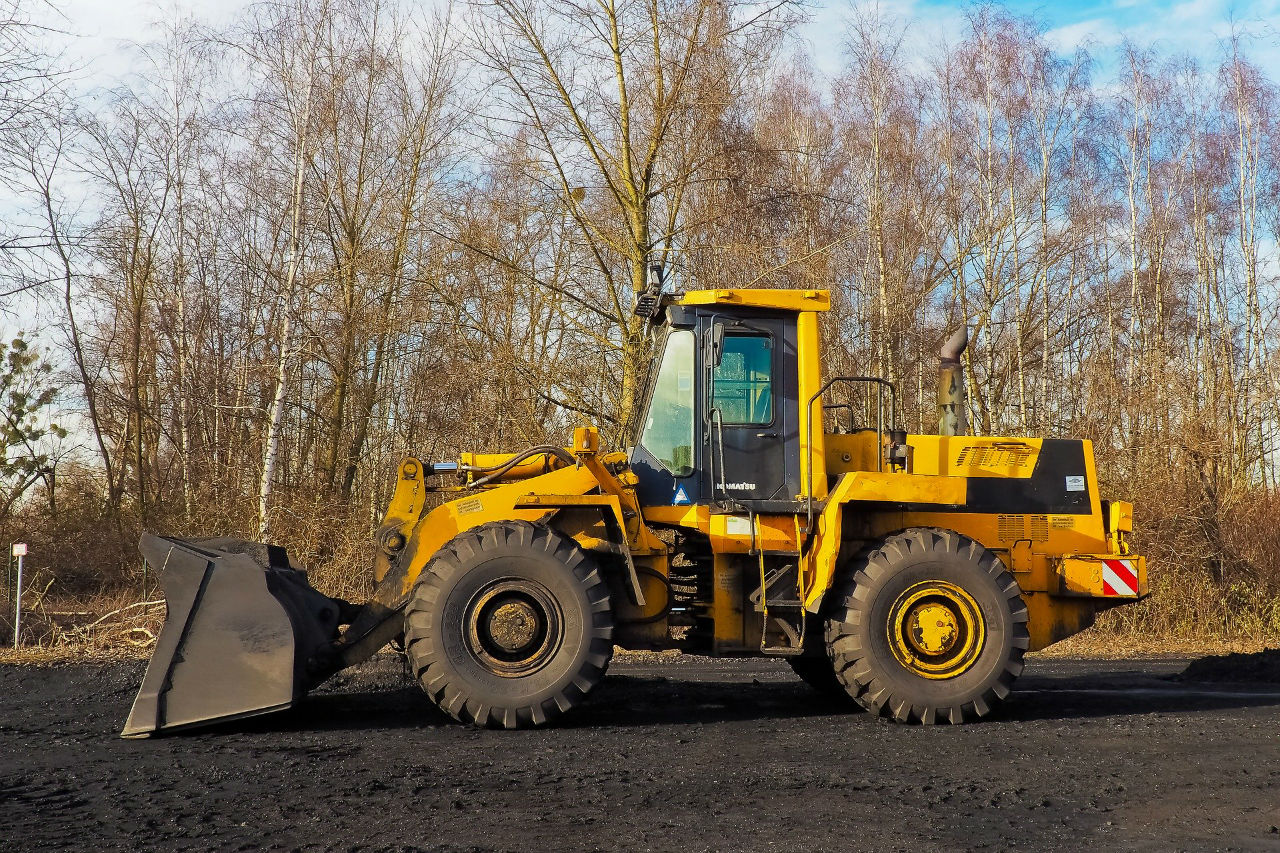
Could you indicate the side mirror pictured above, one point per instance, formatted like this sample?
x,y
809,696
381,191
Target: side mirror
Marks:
x,y
717,343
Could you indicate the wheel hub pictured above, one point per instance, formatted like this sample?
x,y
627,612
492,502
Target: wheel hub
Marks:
x,y
932,628
936,629
513,626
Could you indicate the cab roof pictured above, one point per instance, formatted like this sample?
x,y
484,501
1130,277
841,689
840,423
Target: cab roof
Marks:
x,y
780,300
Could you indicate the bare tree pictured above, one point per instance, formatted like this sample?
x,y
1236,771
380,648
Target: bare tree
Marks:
x,y
615,96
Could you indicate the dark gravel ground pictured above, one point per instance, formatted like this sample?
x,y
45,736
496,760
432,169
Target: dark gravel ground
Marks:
x,y
688,754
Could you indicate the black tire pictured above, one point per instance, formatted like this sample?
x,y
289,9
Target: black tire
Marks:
x,y
884,649
819,674
509,626
814,666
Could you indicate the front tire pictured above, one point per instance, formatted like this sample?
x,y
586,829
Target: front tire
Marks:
x,y
928,627
814,666
819,674
509,626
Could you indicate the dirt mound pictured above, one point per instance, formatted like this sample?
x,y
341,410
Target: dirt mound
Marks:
x,y
1263,666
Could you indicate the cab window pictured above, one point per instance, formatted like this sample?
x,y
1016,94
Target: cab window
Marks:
x,y
743,381
668,427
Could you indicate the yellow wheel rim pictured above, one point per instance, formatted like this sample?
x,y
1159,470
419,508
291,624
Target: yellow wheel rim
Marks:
x,y
936,630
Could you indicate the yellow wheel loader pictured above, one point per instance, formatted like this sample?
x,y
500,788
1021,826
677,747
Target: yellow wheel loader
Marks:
x,y
754,515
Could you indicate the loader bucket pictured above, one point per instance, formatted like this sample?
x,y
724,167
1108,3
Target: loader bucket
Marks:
x,y
245,634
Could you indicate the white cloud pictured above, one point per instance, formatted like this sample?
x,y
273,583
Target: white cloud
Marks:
x,y
100,33
923,25
1197,10
1093,33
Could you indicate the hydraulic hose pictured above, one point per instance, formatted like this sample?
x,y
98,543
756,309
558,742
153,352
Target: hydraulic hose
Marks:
x,y
491,474
666,606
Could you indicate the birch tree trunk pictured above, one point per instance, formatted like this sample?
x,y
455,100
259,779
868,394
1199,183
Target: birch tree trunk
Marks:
x,y
300,140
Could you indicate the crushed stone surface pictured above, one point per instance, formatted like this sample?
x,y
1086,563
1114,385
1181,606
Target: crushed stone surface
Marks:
x,y
686,754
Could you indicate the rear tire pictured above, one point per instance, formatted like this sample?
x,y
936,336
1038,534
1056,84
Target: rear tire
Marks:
x,y
509,626
928,627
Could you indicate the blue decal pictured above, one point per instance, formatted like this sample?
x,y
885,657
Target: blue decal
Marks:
x,y
680,498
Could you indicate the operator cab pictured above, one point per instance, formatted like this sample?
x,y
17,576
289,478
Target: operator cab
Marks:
x,y
721,422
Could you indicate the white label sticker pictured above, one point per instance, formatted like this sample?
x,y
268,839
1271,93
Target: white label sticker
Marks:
x,y
1075,484
734,526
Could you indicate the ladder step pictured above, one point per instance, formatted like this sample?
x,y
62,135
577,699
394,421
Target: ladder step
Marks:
x,y
760,607
782,635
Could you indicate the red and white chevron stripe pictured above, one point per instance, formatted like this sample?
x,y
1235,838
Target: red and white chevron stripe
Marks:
x,y
1119,577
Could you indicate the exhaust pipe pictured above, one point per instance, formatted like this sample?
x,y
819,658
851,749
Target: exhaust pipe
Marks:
x,y
952,417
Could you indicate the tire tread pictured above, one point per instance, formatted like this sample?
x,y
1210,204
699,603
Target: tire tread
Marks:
x,y
854,665
446,566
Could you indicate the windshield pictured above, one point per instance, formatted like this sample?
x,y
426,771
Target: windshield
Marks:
x,y
668,425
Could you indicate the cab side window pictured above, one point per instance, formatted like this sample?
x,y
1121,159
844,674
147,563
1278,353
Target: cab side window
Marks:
x,y
743,380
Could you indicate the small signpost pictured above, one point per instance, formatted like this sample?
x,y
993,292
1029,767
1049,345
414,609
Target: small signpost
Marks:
x,y
19,551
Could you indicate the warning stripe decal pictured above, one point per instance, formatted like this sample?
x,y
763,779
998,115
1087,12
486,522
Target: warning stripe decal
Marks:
x,y
1119,578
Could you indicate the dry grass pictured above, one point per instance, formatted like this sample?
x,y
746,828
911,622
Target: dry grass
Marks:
x,y
1186,607
121,635
1186,616
109,627
1106,645
68,654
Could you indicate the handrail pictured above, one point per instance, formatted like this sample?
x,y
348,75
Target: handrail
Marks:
x,y
880,384
716,439
852,414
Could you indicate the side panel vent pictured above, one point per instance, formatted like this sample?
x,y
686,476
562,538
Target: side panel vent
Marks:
x,y
1011,528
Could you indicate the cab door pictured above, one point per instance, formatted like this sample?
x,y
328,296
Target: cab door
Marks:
x,y
751,413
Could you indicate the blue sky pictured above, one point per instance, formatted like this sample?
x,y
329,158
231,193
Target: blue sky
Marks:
x,y
1197,27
